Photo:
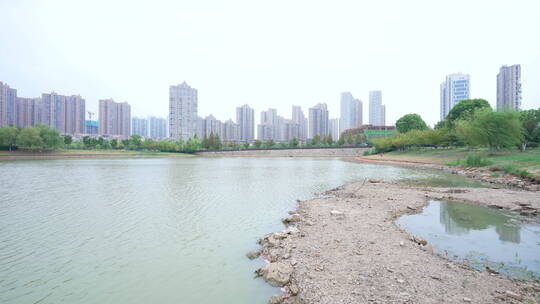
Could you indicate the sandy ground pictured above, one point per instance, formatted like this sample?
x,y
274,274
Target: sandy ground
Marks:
x,y
345,248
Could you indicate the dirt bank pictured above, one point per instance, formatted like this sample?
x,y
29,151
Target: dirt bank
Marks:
x,y
480,174
345,248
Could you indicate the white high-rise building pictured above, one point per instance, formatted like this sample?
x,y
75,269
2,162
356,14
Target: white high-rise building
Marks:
x,y
269,126
245,118
231,131
454,89
183,103
318,120
334,128
114,118
377,111
212,126
350,112
299,118
509,88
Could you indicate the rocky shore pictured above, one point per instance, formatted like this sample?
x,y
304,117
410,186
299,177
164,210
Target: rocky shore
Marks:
x,y
478,173
344,247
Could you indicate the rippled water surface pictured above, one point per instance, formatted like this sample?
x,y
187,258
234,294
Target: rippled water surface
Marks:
x,y
480,235
150,230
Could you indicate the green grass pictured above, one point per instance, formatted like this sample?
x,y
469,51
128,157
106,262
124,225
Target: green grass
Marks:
x,y
523,164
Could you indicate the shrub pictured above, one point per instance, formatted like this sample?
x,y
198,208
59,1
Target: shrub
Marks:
x,y
476,160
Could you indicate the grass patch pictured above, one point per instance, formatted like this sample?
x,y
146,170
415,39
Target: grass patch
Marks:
x,y
476,160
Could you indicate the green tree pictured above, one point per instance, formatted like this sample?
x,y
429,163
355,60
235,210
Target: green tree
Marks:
x,y
341,140
495,130
50,137
410,122
113,142
270,143
193,145
8,136
135,142
316,140
68,140
257,143
294,142
29,139
465,109
530,121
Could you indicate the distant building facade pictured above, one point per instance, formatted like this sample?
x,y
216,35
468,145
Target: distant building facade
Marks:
x,y
350,112
231,131
183,105
27,111
213,126
157,127
318,120
509,88
334,128
454,89
245,118
8,97
377,111
139,126
91,127
114,118
299,118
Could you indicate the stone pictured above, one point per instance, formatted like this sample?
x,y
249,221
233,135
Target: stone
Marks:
x,y
291,230
275,299
467,300
336,213
253,254
401,243
293,288
513,295
276,274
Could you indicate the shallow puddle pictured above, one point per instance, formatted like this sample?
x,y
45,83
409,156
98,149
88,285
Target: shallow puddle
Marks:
x,y
482,236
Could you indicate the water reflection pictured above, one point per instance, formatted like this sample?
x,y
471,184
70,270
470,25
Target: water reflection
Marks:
x,y
479,235
459,219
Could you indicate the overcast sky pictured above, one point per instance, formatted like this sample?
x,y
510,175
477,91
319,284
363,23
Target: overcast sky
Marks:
x,y
267,53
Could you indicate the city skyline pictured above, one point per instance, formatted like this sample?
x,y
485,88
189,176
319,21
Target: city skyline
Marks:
x,y
229,71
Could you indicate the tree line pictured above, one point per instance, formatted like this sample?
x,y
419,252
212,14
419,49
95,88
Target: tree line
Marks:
x,y
42,137
471,123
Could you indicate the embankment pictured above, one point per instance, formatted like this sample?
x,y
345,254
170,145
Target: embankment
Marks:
x,y
319,152
345,248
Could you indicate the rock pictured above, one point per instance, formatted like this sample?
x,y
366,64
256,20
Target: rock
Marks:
x,y
253,254
410,207
401,244
400,281
418,240
275,299
374,181
294,262
513,295
291,230
276,274
467,300
292,219
336,213
293,288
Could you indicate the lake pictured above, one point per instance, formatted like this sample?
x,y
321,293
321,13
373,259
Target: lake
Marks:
x,y
163,230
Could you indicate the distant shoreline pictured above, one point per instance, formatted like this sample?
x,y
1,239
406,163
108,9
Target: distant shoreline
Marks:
x,y
84,154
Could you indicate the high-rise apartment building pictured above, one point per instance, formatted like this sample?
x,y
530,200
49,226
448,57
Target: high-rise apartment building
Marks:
x,y
350,112
334,128
8,97
318,120
91,127
157,127
27,111
139,126
454,89
245,118
269,126
183,103
377,111
231,131
64,113
212,125
509,88
114,118
299,118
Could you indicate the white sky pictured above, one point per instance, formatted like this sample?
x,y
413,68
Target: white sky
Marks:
x,y
267,53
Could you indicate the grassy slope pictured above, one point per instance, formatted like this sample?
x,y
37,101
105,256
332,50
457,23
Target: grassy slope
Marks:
x,y
529,160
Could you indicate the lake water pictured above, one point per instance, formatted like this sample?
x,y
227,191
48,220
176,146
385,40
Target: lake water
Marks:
x,y
479,235
167,230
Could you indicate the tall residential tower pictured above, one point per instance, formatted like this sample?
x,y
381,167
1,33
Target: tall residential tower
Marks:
x,y
183,117
454,89
509,88
377,111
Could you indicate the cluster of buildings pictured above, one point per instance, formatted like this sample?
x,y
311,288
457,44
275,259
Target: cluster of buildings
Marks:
x,y
67,114
152,127
184,121
456,87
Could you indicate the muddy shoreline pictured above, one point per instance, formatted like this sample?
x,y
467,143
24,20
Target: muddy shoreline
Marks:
x,y
344,247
